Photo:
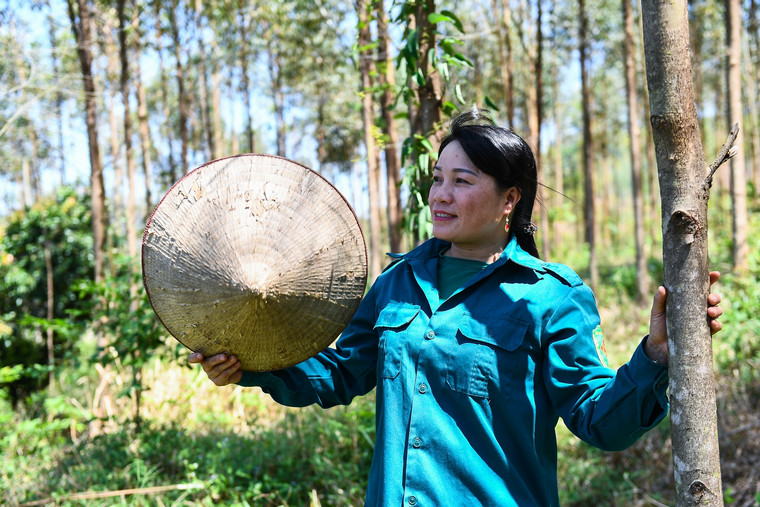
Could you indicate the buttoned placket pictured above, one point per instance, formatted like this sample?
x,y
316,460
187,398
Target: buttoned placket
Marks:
x,y
417,430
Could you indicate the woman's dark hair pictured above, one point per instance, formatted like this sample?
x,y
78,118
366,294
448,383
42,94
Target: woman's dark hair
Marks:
x,y
502,154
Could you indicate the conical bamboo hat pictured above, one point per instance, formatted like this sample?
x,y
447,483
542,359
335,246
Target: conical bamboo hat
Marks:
x,y
256,256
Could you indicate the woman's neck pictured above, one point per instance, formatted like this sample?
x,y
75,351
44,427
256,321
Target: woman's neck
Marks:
x,y
483,253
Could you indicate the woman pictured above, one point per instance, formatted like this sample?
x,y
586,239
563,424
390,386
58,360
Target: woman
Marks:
x,y
477,347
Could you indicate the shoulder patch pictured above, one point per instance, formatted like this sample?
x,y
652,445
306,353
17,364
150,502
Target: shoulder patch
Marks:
x,y
601,348
563,273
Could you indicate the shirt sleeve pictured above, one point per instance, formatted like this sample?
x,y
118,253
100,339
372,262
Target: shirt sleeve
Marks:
x,y
605,408
335,375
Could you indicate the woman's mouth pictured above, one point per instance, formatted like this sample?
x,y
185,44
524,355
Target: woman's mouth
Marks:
x,y
443,216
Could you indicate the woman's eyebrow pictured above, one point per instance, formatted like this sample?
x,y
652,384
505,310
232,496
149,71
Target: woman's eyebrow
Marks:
x,y
458,170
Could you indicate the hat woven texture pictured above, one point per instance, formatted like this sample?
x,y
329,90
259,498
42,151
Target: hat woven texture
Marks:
x,y
256,256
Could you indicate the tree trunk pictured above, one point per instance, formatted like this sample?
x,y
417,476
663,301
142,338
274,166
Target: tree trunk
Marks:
x,y
366,68
80,25
392,160
216,110
425,118
685,186
125,90
58,100
181,95
738,182
142,115
588,151
505,56
634,134
278,98
243,29
753,29
166,129
205,103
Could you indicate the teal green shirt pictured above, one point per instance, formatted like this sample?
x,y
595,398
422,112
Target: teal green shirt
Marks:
x,y
471,386
454,272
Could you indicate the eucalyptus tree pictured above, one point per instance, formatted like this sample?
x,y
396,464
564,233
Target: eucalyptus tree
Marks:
x,y
79,16
734,113
685,182
634,135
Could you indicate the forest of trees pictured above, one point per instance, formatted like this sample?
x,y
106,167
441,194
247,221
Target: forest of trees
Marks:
x,y
104,104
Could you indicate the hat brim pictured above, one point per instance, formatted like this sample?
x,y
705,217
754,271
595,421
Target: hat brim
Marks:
x,y
256,256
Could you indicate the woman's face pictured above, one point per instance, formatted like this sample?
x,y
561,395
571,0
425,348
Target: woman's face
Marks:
x,y
467,207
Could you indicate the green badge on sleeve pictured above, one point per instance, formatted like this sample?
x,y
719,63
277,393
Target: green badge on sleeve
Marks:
x,y
601,349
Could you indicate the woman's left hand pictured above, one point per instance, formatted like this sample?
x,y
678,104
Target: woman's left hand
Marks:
x,y
656,346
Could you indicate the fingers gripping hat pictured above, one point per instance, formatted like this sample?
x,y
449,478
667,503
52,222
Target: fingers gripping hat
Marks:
x,y
256,256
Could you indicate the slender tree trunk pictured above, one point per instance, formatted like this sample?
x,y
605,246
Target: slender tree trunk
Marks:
x,y
166,129
58,100
278,96
753,56
685,187
125,92
634,134
425,118
392,160
142,114
243,27
80,25
205,103
366,68
182,98
502,17
217,111
738,182
588,150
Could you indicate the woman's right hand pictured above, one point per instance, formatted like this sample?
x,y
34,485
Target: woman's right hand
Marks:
x,y
221,370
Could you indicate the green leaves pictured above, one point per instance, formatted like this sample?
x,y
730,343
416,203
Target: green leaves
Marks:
x,y
446,16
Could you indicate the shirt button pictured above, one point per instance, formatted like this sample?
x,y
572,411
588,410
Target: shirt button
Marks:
x,y
412,500
423,388
429,335
417,442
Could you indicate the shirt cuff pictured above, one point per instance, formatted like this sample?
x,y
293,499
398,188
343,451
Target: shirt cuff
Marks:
x,y
645,368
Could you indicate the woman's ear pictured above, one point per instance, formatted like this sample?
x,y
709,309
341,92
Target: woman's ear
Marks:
x,y
511,198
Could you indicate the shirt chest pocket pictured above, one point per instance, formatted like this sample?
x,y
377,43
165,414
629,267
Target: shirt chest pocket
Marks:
x,y
485,353
391,326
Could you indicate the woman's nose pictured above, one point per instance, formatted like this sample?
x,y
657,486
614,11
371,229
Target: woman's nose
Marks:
x,y
441,194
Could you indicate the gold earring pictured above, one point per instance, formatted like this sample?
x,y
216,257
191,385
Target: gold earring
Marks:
x,y
506,225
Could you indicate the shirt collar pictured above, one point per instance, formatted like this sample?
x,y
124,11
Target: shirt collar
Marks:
x,y
513,252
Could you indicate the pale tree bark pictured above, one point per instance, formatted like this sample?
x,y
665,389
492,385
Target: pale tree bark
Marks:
x,y
128,155
503,22
205,103
243,29
738,182
753,55
278,96
58,99
634,135
216,101
559,181
142,114
588,150
532,45
685,186
108,47
181,94
166,129
387,79
80,25
366,68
